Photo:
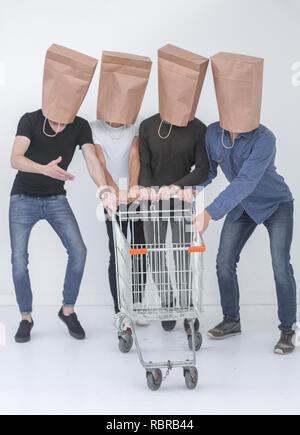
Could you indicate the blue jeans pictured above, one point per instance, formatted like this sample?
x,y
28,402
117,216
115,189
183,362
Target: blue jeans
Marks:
x,y
233,239
24,213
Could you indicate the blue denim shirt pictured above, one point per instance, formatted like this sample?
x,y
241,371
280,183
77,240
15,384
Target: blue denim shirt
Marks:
x,y
255,186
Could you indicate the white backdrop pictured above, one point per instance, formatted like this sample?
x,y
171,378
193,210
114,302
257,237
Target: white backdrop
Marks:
x,y
265,28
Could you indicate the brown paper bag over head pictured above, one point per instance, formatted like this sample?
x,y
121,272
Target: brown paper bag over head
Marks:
x,y
181,74
123,81
67,77
238,84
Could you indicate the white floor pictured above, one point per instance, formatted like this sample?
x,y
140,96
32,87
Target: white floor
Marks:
x,y
55,374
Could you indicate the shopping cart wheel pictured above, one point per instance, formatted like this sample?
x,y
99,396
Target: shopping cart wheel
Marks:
x,y
191,377
187,325
198,341
154,379
125,342
168,325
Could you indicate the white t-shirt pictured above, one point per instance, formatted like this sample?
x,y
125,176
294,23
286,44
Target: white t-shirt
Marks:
x,y
116,144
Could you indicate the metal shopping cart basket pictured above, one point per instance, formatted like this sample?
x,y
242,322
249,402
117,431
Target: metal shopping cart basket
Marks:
x,y
160,280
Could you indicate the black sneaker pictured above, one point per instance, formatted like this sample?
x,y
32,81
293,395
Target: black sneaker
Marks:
x,y
285,345
23,334
74,327
228,328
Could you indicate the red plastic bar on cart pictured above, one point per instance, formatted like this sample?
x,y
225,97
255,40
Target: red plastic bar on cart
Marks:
x,y
197,248
142,251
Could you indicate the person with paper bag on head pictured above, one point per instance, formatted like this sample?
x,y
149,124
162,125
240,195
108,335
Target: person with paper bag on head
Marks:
x,y
245,150
45,144
123,81
172,147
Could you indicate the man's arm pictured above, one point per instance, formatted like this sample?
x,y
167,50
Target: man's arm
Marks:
x,y
23,164
94,166
121,195
213,165
201,171
198,176
134,163
97,174
109,180
246,181
134,168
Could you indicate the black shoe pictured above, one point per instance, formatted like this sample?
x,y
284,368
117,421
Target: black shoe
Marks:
x,y
23,334
285,344
74,327
228,328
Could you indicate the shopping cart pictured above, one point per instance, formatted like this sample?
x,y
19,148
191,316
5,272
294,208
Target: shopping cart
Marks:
x,y
174,285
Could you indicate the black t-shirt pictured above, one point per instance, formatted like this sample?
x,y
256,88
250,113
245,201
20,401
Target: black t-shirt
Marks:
x,y
44,149
170,161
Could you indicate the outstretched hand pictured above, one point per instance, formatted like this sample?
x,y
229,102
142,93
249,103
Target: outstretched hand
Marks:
x,y
54,171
